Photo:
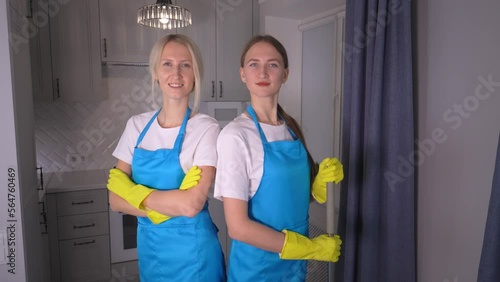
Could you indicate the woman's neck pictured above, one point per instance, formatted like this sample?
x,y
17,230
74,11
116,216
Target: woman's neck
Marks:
x,y
267,111
172,114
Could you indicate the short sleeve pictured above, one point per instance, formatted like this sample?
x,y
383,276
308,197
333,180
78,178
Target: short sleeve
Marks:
x,y
206,153
124,150
232,179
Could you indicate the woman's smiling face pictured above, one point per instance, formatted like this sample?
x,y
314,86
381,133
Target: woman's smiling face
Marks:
x,y
175,72
263,70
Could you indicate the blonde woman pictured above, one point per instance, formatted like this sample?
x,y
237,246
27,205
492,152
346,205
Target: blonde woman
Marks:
x,y
166,165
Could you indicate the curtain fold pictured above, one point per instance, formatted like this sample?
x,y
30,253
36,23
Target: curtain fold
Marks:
x,y
489,265
377,205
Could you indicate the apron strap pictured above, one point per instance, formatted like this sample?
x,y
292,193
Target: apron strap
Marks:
x,y
143,132
182,132
180,136
251,112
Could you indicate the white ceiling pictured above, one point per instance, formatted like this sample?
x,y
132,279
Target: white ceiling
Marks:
x,y
295,9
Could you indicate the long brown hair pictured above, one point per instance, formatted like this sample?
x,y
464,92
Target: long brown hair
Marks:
x,y
290,121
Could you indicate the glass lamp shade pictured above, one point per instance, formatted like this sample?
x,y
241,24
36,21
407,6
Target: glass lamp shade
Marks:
x,y
164,15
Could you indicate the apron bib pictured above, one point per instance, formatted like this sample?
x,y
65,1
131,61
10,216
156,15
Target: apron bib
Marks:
x,y
181,248
281,202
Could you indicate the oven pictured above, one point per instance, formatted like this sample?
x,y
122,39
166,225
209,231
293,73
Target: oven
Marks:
x,y
123,237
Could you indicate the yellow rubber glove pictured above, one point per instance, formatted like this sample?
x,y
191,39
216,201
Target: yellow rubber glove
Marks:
x,y
121,184
157,217
190,180
323,247
330,170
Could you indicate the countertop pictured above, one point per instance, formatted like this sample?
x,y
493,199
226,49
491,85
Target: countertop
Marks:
x,y
78,180
69,181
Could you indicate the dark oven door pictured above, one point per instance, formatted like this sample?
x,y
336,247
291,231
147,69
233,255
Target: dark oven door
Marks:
x,y
123,236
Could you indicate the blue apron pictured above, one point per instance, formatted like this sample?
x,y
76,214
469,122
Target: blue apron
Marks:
x,y
182,248
281,202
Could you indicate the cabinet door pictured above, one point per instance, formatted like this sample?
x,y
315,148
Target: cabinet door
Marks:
x,y
20,6
41,65
234,28
83,225
81,202
86,259
202,31
123,40
77,74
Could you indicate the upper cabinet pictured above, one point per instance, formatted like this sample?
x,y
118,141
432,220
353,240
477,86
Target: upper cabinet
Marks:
x,y
235,26
41,62
68,53
75,50
221,28
21,7
123,40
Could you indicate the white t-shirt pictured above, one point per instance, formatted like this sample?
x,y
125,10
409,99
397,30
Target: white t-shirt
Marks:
x,y
240,154
198,148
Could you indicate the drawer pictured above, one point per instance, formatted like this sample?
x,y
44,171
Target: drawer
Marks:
x,y
80,202
85,259
83,225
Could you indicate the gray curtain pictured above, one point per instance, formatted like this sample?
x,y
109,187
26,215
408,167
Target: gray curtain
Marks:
x,y
489,266
377,209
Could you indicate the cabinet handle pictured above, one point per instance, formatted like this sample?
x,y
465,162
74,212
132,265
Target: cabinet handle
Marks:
x,y
105,48
30,9
82,203
84,243
57,88
41,178
220,88
43,213
83,226
213,88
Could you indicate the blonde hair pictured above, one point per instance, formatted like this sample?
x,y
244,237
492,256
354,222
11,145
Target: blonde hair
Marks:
x,y
194,51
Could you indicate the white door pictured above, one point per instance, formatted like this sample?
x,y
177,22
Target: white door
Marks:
x,y
19,220
318,90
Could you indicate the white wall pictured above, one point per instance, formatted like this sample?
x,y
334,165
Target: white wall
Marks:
x,y
457,43
21,256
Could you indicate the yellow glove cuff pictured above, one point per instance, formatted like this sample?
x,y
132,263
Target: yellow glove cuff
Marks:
x,y
322,248
319,191
191,179
157,217
137,196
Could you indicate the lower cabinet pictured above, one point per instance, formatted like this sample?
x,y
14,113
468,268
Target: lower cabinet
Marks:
x,y
78,226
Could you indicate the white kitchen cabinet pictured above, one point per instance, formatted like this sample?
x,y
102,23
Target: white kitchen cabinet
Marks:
x,y
221,28
79,236
41,62
20,6
123,40
75,50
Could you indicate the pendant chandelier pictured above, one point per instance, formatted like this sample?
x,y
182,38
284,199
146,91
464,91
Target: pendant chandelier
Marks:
x,y
164,15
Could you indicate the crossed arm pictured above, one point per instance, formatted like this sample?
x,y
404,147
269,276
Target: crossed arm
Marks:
x,y
173,202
